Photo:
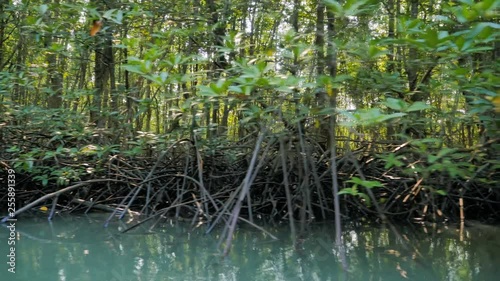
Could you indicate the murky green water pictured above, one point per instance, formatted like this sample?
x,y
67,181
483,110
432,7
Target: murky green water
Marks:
x,y
79,248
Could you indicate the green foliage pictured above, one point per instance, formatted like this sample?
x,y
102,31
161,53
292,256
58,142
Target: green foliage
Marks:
x,y
401,105
354,190
368,117
351,7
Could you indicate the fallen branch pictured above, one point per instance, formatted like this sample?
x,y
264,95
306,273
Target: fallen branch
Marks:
x,y
53,194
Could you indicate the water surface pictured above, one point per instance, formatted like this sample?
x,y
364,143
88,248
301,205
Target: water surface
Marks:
x,y
80,248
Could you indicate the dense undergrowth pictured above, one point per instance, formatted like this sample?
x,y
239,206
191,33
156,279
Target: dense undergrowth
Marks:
x,y
412,180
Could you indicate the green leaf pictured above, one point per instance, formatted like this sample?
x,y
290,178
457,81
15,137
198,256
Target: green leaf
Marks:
x,y
133,68
13,149
365,183
431,38
396,104
108,14
349,190
206,91
42,9
163,76
386,117
366,198
356,7
335,7
119,17
370,116
431,158
417,106
441,192
376,52
392,160
236,89
486,6
445,151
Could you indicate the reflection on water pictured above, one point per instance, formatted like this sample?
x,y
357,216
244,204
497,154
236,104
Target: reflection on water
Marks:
x,y
79,248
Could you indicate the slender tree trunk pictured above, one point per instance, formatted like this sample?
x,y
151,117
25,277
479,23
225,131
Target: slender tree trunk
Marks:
x,y
391,35
96,109
104,83
21,52
390,56
220,63
332,70
331,56
113,121
55,79
322,97
411,63
3,25
320,38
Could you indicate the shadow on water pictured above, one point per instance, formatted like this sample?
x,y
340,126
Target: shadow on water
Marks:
x,y
79,248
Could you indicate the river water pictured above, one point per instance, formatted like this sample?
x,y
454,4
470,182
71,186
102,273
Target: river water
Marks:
x,y
80,248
